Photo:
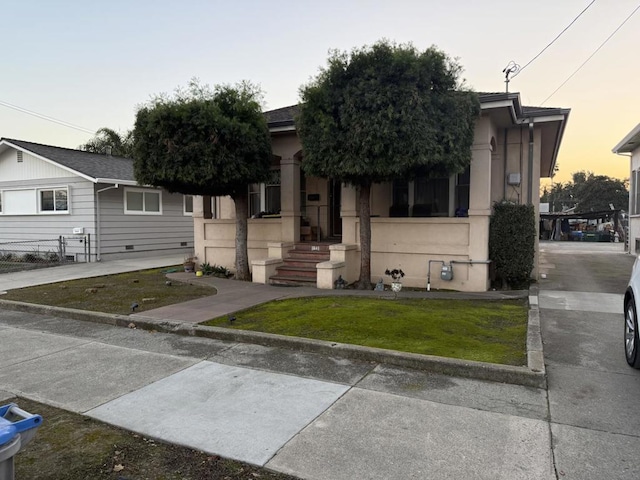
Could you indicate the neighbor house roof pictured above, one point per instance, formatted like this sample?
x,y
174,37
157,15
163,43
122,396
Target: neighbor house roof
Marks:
x,y
630,142
99,168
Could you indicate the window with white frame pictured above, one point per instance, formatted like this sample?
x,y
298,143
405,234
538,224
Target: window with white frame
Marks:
x,y
53,200
138,201
187,203
264,198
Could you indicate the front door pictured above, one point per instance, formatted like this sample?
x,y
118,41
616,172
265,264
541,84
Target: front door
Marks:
x,y
335,222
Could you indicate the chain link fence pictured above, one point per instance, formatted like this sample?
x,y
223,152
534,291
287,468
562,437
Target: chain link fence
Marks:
x,y
31,254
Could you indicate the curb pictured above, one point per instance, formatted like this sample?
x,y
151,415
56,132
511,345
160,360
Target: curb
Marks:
x,y
531,376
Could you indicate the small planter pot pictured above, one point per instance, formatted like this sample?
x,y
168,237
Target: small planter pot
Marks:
x,y
396,286
189,267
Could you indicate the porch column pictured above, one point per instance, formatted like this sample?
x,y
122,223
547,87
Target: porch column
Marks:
x,y
290,199
480,206
349,214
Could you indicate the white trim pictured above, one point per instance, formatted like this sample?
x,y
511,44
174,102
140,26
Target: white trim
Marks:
x,y
290,128
619,148
143,211
185,212
39,191
132,183
51,162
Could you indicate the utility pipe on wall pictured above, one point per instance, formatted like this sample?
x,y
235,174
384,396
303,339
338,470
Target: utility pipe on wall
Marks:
x,y
530,166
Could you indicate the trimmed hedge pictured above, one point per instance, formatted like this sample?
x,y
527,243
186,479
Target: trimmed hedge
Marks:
x,y
512,233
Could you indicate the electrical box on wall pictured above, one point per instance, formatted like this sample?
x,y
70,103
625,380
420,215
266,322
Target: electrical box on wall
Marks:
x,y
78,230
513,179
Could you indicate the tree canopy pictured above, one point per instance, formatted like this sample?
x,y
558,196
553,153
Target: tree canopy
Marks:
x,y
201,141
384,112
587,192
121,145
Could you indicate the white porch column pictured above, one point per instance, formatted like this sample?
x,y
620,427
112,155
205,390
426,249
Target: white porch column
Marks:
x,y
290,199
480,204
349,214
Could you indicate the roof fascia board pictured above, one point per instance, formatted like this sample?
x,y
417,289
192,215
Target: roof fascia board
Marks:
x,y
501,104
620,147
116,181
283,128
49,161
544,119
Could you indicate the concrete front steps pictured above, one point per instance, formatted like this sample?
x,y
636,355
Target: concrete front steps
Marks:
x,y
299,267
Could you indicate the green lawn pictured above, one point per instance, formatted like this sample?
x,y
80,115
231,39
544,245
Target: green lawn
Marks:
x,y
486,331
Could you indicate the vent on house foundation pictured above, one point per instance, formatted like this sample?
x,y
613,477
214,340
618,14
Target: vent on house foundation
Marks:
x,y
19,156
128,247
70,258
183,244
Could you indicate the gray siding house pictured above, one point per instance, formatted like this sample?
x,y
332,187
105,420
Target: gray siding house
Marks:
x,y
91,200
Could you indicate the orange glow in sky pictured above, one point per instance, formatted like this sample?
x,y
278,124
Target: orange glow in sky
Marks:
x,y
92,63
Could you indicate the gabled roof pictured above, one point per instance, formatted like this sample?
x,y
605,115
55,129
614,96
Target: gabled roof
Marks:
x,y
630,142
92,166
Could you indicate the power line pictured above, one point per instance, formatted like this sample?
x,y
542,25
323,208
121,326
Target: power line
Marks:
x,y
591,56
46,117
553,41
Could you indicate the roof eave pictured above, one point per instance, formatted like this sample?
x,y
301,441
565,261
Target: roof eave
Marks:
x,y
629,143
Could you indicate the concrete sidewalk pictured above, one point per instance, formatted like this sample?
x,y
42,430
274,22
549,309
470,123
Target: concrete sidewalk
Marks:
x,y
316,416
313,416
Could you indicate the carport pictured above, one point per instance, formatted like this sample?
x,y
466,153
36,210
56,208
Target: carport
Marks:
x,y
558,226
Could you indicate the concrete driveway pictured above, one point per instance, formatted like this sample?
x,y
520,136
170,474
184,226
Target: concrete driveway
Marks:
x,y
592,391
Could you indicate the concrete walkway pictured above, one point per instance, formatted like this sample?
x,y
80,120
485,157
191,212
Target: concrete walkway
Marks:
x,y
315,416
75,271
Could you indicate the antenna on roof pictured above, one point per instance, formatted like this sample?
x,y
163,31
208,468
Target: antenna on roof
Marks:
x,y
511,68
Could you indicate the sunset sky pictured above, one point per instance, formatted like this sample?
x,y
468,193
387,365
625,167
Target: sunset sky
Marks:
x,y
92,63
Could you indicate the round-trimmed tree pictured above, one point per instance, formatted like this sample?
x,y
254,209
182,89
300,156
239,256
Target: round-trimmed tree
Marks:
x,y
385,112
206,142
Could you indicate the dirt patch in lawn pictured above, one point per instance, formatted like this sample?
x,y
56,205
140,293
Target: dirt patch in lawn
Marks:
x,y
148,289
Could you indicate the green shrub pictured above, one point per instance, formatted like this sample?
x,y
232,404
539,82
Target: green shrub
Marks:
x,y
215,270
512,234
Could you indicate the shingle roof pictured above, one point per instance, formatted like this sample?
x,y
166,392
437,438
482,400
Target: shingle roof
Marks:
x,y
94,165
282,115
286,115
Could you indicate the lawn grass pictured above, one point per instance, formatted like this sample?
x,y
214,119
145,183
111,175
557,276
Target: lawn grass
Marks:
x,y
73,447
112,293
486,331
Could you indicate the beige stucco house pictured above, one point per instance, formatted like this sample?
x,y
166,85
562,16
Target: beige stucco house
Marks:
x,y
306,228
630,146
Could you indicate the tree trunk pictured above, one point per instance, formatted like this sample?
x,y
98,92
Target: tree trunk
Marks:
x,y
364,282
242,258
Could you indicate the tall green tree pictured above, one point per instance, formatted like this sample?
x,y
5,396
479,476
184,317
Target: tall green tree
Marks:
x,y
383,112
597,192
120,145
204,141
587,192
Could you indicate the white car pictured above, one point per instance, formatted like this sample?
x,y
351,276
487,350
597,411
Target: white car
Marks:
x,y
631,307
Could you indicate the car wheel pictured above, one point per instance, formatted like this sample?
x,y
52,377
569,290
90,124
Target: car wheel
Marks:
x,y
631,341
